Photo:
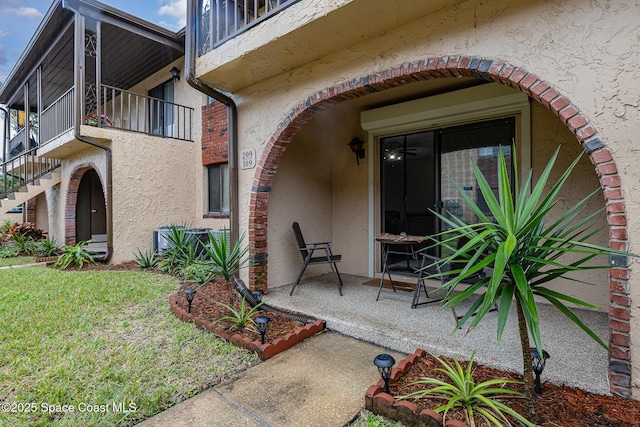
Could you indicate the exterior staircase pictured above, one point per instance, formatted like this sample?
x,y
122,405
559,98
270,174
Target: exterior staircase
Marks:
x,y
30,176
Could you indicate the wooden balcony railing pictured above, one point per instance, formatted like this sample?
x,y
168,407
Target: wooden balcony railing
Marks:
x,y
220,20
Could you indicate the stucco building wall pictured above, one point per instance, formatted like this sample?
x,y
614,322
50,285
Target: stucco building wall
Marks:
x,y
585,50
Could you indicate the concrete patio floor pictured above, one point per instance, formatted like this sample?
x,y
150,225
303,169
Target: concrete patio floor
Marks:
x,y
576,359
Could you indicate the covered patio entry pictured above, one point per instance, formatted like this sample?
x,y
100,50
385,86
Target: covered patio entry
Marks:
x,y
266,227
390,322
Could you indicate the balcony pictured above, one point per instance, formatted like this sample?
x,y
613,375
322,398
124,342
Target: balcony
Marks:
x,y
292,34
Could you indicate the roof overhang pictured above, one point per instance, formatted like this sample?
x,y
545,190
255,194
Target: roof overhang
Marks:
x,y
132,50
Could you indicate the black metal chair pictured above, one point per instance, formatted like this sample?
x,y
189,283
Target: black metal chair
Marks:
x,y
307,251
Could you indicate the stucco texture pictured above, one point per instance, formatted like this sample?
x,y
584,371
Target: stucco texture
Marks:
x,y
586,50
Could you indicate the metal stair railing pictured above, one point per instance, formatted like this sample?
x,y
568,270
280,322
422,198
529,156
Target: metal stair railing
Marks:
x,y
23,170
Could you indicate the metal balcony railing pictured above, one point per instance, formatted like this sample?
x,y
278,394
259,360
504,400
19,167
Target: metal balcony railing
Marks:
x,y
57,118
130,111
23,170
220,20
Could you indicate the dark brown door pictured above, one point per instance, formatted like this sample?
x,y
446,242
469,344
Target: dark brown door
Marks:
x,y
91,211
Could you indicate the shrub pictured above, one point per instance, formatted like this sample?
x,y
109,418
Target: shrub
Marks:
x,y
9,251
242,317
199,272
25,245
76,254
147,259
48,247
27,230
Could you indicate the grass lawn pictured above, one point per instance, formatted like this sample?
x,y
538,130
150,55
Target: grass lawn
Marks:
x,y
100,342
17,260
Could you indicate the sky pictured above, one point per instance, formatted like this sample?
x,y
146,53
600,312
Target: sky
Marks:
x,y
20,19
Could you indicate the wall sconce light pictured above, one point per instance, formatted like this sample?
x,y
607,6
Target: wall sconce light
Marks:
x,y
384,363
263,325
357,146
189,293
175,73
538,365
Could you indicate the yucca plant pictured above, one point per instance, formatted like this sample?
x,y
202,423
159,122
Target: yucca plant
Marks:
x,y
242,317
525,253
463,392
147,259
227,260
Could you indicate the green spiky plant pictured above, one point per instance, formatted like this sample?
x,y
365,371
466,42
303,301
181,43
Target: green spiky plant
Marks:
x,y
525,253
146,259
463,392
77,255
241,317
227,260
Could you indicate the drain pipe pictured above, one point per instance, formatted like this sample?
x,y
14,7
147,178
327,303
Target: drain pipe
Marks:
x,y
232,116
109,195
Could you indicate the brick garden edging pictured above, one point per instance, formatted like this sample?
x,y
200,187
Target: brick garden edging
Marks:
x,y
379,402
266,350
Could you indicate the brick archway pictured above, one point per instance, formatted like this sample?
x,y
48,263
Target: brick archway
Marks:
x,y
72,199
490,70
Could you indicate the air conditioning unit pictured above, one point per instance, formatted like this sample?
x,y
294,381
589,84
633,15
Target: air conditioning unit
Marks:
x,y
160,241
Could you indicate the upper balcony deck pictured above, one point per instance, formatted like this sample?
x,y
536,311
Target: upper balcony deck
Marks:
x,y
241,42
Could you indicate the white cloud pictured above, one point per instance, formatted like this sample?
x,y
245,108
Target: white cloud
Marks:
x,y
27,12
176,9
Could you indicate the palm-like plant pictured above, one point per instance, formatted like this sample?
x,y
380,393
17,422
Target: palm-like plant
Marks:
x,y
473,398
227,260
241,317
76,254
524,252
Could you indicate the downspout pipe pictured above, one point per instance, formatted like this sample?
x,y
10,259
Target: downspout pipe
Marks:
x,y
232,116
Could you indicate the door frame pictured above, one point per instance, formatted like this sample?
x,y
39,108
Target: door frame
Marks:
x,y
484,102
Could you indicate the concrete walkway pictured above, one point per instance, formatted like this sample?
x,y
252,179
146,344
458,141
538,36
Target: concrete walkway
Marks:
x,y
319,382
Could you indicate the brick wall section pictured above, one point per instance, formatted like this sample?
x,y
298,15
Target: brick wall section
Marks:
x,y
490,70
30,206
70,203
215,134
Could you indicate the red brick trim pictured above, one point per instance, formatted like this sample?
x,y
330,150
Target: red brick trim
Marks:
x,y
30,207
70,202
491,70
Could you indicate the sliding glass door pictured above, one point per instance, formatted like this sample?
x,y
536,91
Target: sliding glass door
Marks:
x,y
417,170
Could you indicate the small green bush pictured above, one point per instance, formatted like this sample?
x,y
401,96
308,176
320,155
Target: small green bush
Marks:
x,y
77,255
147,259
471,397
242,317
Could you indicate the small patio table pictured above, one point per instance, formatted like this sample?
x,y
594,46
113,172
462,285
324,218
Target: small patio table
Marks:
x,y
401,244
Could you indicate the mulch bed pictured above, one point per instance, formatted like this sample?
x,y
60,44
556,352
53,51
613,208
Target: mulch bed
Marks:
x,y
205,307
556,406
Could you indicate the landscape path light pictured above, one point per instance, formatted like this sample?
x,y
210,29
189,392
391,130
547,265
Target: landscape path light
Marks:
x,y
385,363
538,365
189,293
263,325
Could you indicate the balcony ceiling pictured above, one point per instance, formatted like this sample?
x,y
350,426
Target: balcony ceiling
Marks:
x,y
132,50
302,33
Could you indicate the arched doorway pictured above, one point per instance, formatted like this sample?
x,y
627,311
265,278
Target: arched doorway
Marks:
x,y
85,199
489,70
91,211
